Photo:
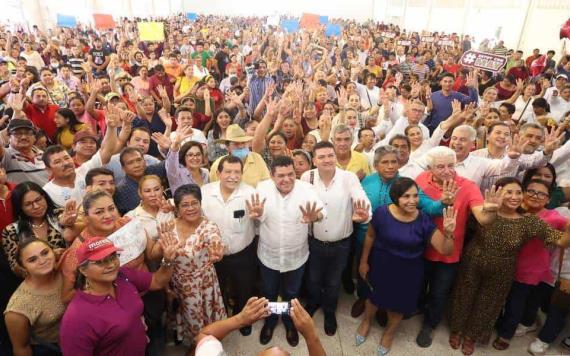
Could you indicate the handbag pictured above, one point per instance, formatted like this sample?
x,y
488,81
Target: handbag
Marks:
x,y
561,294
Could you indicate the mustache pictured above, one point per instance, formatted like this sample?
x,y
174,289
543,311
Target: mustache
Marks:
x,y
67,166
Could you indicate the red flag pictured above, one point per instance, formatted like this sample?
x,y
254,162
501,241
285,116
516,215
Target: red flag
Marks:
x,y
104,22
565,30
310,21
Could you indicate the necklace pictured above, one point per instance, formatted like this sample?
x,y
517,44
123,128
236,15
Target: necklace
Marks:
x,y
39,226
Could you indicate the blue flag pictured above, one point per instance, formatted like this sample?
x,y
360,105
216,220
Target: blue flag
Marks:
x,y
290,25
333,30
192,16
66,21
324,20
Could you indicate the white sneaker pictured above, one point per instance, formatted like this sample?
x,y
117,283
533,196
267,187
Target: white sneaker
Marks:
x,y
538,347
523,330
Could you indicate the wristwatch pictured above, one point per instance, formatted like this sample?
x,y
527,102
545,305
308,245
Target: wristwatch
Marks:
x,y
166,263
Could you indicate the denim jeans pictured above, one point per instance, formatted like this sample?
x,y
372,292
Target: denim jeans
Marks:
x,y
326,263
288,283
439,277
522,305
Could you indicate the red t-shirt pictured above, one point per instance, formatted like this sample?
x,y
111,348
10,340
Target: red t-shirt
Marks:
x,y
44,120
468,197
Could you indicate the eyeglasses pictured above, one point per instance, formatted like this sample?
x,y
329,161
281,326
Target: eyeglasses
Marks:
x,y
112,258
534,193
192,155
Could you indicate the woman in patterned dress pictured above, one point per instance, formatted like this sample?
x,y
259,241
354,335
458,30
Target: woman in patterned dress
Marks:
x,y
488,267
195,282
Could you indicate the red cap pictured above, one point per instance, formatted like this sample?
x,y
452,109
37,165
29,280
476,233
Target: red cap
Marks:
x,y
95,249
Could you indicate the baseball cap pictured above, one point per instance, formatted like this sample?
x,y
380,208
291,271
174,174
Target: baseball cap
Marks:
x,y
95,249
15,124
562,76
111,95
80,135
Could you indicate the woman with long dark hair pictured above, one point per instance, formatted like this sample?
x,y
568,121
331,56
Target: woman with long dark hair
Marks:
x,y
67,126
36,218
216,148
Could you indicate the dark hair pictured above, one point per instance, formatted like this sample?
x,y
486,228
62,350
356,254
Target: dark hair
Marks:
x,y
217,130
541,103
34,71
182,108
187,189
76,97
531,172
23,243
278,133
185,148
400,187
139,128
229,159
365,129
128,151
72,121
24,222
322,144
510,107
551,51
495,124
159,68
400,137
50,151
281,161
99,171
446,74
91,197
506,181
538,181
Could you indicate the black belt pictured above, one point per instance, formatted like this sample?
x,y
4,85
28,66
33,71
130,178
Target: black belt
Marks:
x,y
329,243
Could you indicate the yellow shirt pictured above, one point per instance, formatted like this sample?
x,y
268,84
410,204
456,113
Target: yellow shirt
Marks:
x,y
186,84
254,170
65,137
358,162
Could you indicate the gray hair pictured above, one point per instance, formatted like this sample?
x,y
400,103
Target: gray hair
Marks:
x,y
531,125
472,133
342,129
439,152
382,151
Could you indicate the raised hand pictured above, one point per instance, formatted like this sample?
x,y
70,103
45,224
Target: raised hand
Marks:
x,y
342,97
472,80
520,85
161,91
360,211
69,215
517,147
206,94
493,199
449,192
552,141
310,212
216,251
165,117
165,206
161,140
449,220
169,245
255,206
455,107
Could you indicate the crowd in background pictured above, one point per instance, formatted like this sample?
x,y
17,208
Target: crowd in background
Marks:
x,y
158,191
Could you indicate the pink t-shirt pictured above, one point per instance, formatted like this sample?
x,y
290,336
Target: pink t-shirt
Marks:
x,y
468,197
533,261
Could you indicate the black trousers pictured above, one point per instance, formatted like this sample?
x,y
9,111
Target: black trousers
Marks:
x,y
238,271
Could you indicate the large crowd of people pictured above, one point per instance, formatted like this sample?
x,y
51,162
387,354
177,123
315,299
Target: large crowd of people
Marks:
x,y
177,189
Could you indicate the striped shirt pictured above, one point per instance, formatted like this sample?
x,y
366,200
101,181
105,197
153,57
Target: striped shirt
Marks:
x,y
257,88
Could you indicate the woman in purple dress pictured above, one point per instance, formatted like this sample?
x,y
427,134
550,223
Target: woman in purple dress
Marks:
x,y
395,242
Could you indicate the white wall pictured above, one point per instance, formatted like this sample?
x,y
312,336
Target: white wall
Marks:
x,y
481,18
